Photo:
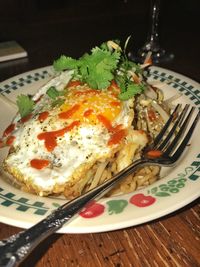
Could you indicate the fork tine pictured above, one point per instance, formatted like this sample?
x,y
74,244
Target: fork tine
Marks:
x,y
165,128
186,139
175,126
180,133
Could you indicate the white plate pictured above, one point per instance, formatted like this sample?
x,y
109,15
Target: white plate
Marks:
x,y
178,187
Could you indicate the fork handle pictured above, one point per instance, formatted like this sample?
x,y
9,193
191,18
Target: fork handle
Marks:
x,y
17,247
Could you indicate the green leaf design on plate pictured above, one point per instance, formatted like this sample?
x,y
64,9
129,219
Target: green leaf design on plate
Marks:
x,y
174,190
116,206
162,194
171,182
154,190
171,187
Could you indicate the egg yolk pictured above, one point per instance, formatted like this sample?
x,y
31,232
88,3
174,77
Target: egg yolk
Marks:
x,y
85,104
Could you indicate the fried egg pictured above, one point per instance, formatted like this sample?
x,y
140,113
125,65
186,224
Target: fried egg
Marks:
x,y
62,139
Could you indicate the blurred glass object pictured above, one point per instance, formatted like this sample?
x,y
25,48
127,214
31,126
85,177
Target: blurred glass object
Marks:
x,y
152,44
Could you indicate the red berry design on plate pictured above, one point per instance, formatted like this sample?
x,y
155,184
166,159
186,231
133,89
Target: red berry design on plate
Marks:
x,y
140,200
93,209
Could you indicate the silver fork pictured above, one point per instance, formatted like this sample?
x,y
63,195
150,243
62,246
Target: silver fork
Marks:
x,y
166,150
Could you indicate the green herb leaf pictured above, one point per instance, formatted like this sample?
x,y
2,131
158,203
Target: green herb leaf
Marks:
x,y
122,81
132,90
25,105
98,68
64,63
101,66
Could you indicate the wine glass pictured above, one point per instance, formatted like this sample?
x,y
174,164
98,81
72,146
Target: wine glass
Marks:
x,y
152,44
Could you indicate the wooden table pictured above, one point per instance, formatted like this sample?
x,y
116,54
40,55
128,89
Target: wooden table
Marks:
x,y
169,241
173,240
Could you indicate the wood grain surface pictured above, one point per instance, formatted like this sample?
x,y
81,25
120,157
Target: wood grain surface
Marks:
x,y
47,29
170,241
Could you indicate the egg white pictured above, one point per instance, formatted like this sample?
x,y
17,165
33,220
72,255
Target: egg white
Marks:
x,y
79,148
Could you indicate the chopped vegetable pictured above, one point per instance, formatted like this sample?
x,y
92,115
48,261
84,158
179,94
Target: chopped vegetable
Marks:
x,y
25,105
52,92
55,95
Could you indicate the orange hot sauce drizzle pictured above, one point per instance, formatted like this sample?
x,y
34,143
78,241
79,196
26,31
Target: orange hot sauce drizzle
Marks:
x,y
115,103
43,116
88,112
67,114
73,84
26,118
117,137
10,140
50,137
39,163
108,124
117,132
154,153
9,130
105,122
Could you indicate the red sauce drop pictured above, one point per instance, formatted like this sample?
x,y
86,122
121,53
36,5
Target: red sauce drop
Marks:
x,y
154,153
39,163
115,103
151,115
88,112
105,122
9,129
108,124
10,140
26,118
43,116
113,85
74,84
117,137
67,114
117,132
50,137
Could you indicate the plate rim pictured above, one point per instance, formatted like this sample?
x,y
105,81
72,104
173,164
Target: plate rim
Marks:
x,y
73,229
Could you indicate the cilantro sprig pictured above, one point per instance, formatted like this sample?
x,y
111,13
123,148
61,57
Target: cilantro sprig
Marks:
x,y
103,64
95,69
25,105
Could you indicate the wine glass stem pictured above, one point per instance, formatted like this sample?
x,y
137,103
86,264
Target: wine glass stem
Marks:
x,y
153,33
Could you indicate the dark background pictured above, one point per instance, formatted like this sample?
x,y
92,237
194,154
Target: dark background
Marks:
x,y
49,28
